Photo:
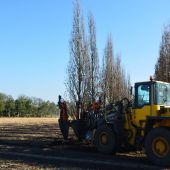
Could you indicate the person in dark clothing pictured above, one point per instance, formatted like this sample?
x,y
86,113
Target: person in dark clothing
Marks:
x,y
63,109
63,119
96,106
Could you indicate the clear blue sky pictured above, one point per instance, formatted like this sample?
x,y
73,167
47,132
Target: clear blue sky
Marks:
x,y
34,35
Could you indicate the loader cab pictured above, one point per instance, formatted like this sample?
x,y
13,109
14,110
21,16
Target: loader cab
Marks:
x,y
152,92
149,98
142,94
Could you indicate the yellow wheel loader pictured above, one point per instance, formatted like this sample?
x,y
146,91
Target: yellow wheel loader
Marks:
x,y
143,123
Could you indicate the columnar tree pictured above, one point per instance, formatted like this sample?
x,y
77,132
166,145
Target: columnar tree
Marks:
x,y
162,67
84,83
108,72
93,57
114,84
77,83
121,81
118,79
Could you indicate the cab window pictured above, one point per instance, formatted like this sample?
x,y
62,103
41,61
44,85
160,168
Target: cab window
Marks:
x,y
162,93
142,95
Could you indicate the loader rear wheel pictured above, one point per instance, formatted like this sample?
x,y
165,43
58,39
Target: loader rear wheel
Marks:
x,y
105,140
157,146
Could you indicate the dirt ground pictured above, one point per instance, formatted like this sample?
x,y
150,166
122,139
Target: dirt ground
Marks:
x,y
28,129
37,143
15,130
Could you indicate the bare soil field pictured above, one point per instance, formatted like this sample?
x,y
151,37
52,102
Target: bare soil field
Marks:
x,y
36,143
28,129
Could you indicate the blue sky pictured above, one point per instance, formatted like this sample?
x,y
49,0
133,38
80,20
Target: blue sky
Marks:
x,y
34,36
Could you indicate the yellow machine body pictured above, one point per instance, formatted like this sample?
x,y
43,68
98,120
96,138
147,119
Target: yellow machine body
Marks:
x,y
151,107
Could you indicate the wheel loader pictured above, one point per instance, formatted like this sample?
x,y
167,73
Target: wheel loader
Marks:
x,y
143,123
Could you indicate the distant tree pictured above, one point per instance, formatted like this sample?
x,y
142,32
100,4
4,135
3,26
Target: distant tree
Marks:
x,y
36,103
162,67
9,107
20,104
43,109
28,107
2,103
25,106
52,109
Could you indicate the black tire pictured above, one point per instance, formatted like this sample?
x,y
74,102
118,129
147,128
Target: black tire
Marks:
x,y
157,146
105,140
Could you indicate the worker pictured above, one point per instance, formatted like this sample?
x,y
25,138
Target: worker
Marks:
x,y
63,110
96,106
63,119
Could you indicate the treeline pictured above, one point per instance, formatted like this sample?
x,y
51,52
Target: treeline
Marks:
x,y
162,67
87,77
25,106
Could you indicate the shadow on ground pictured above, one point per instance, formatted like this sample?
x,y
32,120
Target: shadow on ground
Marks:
x,y
21,141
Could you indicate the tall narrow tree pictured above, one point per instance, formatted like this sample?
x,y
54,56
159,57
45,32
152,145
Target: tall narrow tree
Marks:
x,y
117,84
162,67
94,61
114,84
108,71
77,79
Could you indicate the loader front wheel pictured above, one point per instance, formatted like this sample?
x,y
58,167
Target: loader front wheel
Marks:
x,y
105,140
157,146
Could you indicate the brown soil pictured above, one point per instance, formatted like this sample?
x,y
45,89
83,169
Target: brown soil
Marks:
x,y
42,136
